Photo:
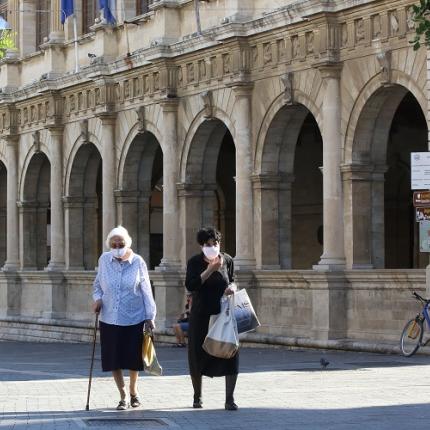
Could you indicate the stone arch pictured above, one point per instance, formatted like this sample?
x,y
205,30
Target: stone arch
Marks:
x,y
218,115
140,196
43,148
208,166
372,87
284,127
301,99
77,144
134,132
34,212
366,167
83,208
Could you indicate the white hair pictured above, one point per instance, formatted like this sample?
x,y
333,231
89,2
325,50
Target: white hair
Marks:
x,y
121,232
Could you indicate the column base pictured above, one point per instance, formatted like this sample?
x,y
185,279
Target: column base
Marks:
x,y
55,267
10,266
330,264
244,263
168,266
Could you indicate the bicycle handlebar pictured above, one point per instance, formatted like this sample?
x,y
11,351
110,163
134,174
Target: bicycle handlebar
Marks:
x,y
422,299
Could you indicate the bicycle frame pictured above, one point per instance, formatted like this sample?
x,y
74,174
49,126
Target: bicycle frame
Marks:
x,y
425,312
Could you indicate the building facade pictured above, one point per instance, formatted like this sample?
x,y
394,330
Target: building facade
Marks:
x,y
288,125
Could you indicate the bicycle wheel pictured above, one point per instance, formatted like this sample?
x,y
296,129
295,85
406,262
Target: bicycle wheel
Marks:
x,y
411,338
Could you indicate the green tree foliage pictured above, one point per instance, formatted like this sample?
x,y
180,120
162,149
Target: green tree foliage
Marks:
x,y
6,41
421,16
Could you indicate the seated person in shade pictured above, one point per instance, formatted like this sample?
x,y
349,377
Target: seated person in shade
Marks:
x,y
182,325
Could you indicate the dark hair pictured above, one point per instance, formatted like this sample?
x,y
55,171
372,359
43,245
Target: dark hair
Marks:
x,y
207,233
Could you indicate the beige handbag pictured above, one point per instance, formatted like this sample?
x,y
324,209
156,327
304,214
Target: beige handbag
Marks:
x,y
149,357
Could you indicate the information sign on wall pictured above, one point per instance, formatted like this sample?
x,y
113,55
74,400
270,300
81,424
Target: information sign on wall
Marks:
x,y
420,170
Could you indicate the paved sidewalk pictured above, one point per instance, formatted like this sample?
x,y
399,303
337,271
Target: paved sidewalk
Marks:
x,y
43,386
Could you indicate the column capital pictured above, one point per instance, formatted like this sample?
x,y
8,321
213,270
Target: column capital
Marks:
x,y
106,118
55,130
24,204
11,140
329,70
169,104
126,196
187,189
242,89
266,181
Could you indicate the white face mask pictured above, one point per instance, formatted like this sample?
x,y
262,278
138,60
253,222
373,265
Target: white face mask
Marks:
x,y
118,252
211,252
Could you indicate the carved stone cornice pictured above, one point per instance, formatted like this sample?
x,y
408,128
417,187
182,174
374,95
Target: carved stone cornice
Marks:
x,y
104,95
9,120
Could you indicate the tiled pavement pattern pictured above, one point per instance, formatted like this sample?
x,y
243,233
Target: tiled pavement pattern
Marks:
x,y
43,386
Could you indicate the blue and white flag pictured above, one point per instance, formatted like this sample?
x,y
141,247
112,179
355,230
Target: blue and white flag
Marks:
x,y
109,10
67,9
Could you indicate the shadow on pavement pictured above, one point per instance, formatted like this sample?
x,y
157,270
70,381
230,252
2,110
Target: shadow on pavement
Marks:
x,y
378,417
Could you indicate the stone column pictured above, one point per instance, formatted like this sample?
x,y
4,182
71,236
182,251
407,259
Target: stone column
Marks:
x,y
191,199
285,221
56,34
171,251
378,216
333,257
12,241
73,210
357,179
109,173
267,240
28,234
57,261
244,199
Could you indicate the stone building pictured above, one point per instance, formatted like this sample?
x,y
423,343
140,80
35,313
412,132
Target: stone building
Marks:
x,y
287,124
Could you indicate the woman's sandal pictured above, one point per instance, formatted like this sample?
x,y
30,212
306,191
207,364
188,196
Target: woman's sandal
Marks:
x,y
134,401
122,405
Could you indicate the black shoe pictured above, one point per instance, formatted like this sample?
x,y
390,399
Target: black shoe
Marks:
x,y
231,406
134,401
197,403
122,405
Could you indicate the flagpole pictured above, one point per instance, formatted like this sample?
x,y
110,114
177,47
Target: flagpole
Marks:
x,y
75,32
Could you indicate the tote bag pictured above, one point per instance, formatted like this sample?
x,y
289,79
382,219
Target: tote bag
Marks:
x,y
244,313
222,340
150,362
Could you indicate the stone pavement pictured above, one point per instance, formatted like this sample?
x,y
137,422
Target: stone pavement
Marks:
x,y
43,386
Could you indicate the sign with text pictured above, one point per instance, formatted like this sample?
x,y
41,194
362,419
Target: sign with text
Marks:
x,y
420,170
422,199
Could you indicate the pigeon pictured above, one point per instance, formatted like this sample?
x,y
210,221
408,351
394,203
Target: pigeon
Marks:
x,y
324,363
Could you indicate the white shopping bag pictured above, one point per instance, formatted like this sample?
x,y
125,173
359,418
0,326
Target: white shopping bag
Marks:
x,y
222,340
244,313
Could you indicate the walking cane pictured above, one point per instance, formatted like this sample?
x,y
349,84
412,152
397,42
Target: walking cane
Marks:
x,y
87,407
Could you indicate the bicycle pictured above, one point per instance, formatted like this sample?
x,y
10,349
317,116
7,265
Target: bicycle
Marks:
x,y
412,336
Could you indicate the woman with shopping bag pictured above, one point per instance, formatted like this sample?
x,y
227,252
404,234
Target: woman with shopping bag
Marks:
x,y
122,294
209,275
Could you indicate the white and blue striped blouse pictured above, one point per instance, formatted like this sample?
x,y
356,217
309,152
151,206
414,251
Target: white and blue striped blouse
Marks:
x,y
125,290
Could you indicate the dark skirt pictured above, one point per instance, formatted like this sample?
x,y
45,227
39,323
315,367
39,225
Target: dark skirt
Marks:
x,y
200,362
121,346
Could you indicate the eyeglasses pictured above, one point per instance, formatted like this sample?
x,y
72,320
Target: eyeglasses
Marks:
x,y
118,245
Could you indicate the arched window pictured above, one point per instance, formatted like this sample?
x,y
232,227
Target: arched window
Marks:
x,y
89,14
43,12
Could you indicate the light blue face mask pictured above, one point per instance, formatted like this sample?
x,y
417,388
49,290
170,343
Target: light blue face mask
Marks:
x,y
118,252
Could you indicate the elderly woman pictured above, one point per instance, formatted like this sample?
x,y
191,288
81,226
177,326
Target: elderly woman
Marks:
x,y
209,275
123,296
